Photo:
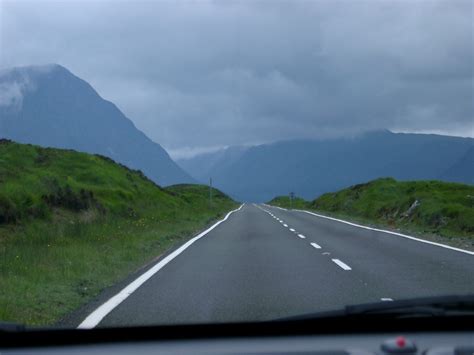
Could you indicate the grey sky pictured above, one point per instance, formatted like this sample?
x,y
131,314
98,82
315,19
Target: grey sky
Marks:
x,y
194,75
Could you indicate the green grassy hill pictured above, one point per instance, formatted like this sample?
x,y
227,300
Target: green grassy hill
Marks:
x,y
284,201
426,207
72,224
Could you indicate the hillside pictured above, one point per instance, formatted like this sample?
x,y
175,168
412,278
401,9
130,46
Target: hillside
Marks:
x,y
312,167
426,207
79,223
49,106
285,202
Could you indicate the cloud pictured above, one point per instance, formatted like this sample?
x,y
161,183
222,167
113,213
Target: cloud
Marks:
x,y
215,73
11,95
15,82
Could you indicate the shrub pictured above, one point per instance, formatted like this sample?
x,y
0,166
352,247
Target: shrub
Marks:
x,y
65,197
8,211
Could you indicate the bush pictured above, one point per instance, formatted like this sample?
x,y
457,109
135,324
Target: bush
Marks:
x,y
8,211
65,197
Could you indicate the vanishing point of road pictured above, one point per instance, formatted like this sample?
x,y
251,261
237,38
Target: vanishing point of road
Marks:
x,y
265,263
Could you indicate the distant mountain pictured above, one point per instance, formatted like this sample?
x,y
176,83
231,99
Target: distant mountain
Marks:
x,y
312,167
203,166
462,170
49,106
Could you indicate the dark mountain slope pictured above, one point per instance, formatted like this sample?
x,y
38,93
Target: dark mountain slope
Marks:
x,y
49,106
462,170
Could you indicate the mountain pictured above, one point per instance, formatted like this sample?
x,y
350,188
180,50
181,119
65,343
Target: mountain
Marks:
x,y
462,170
202,166
49,106
310,168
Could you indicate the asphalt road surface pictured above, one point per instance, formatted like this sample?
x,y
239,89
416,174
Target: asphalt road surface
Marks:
x,y
264,263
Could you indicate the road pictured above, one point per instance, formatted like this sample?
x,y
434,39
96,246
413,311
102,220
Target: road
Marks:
x,y
264,263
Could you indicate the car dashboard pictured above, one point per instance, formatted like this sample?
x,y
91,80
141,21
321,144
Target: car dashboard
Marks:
x,y
425,336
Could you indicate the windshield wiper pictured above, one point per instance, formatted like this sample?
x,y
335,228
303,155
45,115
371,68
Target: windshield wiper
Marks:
x,y
418,307
432,306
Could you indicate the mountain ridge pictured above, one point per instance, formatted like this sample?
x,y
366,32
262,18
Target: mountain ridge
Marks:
x,y
73,115
313,167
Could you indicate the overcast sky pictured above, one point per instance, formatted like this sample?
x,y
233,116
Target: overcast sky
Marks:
x,y
195,75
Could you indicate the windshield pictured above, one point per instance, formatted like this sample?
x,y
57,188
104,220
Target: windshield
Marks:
x,y
181,162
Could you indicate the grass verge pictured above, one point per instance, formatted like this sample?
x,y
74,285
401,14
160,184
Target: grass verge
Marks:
x,y
72,224
434,210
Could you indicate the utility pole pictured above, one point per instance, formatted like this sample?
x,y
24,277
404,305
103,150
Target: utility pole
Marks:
x,y
210,192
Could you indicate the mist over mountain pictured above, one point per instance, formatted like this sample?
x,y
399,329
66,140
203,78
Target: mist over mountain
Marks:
x,y
312,167
203,166
49,106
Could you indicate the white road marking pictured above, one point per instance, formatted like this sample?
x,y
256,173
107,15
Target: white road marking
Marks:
x,y
96,316
341,264
280,221
390,232
386,299
316,245
326,253
281,208
285,225
291,229
301,236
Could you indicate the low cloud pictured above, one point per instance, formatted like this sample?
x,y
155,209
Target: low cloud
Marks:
x,y
11,95
15,82
194,75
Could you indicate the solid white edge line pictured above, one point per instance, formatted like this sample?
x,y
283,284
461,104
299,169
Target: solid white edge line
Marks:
x,y
341,264
281,208
317,246
96,316
389,232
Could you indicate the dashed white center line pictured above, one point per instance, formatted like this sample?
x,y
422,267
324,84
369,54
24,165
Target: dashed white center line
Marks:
x,y
386,299
285,225
316,246
341,264
301,236
281,221
291,229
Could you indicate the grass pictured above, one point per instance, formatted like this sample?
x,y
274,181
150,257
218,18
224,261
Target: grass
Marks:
x,y
443,209
284,201
72,224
